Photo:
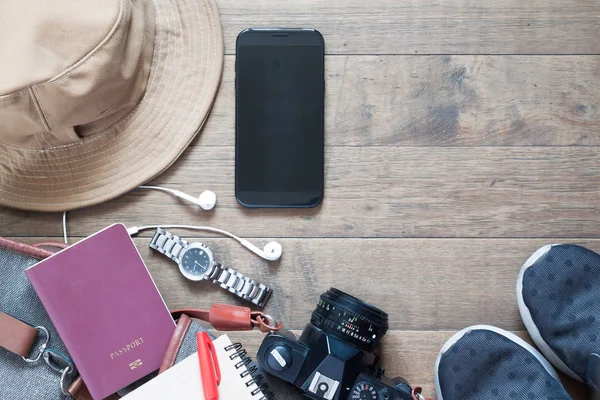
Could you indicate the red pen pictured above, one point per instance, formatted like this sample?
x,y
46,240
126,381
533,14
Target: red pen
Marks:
x,y
210,373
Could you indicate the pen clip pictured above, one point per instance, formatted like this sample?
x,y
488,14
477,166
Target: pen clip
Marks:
x,y
213,356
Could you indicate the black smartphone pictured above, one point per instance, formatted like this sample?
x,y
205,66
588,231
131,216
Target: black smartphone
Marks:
x,y
279,118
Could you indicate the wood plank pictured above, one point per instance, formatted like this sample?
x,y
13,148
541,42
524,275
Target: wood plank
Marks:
x,y
419,146
410,355
445,101
376,192
484,268
418,27
423,284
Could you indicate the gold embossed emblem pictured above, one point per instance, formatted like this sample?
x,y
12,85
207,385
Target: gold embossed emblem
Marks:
x,y
135,364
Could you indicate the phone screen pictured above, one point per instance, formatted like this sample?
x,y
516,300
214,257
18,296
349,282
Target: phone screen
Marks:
x,y
279,118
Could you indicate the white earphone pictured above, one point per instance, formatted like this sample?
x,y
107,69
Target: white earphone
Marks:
x,y
206,200
271,252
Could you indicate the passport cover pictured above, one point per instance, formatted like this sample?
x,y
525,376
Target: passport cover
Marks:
x,y
106,309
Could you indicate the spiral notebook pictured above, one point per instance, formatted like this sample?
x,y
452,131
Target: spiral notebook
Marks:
x,y
240,379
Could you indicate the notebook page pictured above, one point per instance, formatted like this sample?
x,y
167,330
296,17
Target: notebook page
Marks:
x,y
234,388
182,381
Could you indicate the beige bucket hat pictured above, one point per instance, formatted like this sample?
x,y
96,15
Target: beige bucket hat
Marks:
x,y
100,96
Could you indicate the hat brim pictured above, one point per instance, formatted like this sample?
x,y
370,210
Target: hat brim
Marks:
x,y
186,71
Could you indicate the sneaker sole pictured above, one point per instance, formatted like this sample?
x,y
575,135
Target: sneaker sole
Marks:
x,y
512,337
528,320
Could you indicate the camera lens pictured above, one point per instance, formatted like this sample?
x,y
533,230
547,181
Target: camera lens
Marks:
x,y
350,319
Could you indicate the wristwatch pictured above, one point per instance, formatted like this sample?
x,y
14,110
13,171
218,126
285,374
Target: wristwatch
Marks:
x,y
196,262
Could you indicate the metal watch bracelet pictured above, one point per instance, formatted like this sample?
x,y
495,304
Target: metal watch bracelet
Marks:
x,y
240,285
168,244
227,278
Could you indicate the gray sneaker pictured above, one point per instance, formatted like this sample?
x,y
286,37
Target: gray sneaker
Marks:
x,y
486,363
558,292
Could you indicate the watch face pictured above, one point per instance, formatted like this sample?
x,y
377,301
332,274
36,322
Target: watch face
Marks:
x,y
195,263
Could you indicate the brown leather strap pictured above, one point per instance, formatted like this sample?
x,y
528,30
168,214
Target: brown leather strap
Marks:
x,y
16,336
23,248
51,245
183,324
79,391
224,317
202,315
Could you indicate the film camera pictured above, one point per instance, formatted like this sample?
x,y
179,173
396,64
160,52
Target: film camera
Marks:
x,y
335,357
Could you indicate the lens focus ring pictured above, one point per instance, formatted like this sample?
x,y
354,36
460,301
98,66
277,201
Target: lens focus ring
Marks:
x,y
350,319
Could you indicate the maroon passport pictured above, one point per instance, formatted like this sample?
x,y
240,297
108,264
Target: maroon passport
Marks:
x,y
106,309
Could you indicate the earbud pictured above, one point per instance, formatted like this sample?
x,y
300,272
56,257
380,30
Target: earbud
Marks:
x,y
206,200
271,252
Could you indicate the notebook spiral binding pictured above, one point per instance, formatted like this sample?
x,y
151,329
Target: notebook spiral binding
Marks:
x,y
251,371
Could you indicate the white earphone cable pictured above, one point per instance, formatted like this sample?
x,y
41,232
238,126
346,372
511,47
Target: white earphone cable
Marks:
x,y
206,200
65,227
135,229
163,189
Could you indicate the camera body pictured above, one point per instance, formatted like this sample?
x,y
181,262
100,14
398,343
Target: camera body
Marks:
x,y
335,357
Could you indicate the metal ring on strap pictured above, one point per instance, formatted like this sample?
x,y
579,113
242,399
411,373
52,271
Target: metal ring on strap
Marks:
x,y
41,347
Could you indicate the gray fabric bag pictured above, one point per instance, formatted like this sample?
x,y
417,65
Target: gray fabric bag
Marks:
x,y
38,380
19,379
34,380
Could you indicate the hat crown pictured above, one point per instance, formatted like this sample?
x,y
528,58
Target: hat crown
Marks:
x,y
71,67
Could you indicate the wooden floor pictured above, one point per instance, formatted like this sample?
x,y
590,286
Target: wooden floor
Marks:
x,y
461,136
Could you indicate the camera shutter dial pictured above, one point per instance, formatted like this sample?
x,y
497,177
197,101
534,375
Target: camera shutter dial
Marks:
x,y
364,391
279,358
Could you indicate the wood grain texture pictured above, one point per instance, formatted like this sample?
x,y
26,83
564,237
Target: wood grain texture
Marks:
x,y
421,27
411,355
461,136
433,286
377,192
423,284
445,101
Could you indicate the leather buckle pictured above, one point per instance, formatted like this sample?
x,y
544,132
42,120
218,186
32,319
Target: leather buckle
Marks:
x,y
265,323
